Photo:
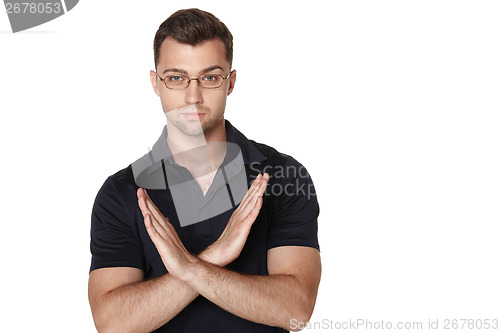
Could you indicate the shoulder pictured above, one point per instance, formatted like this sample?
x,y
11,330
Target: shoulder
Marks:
x,y
120,187
121,179
290,199
272,155
279,162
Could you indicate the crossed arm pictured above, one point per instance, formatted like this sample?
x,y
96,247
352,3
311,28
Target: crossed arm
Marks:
x,y
122,301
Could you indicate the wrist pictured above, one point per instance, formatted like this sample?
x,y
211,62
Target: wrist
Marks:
x,y
191,269
210,255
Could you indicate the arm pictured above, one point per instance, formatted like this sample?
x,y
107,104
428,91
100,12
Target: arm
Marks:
x,y
289,292
122,302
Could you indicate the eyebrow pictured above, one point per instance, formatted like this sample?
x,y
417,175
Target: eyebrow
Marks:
x,y
176,70
211,68
203,71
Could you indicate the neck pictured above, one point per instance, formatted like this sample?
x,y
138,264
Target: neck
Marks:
x,y
207,149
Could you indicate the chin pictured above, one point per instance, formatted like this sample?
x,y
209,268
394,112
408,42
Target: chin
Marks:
x,y
196,128
191,130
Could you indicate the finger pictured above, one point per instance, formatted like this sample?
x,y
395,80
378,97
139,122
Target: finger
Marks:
x,y
250,193
252,215
252,186
156,228
248,208
155,211
145,210
157,225
166,227
152,207
249,201
252,198
175,239
153,233
247,222
156,237
157,215
263,185
142,203
170,230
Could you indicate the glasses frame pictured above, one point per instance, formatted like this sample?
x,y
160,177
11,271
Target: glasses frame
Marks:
x,y
195,79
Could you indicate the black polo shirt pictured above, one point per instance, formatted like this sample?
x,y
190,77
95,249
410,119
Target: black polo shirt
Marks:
x,y
288,217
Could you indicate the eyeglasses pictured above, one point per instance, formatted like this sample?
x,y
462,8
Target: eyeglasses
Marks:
x,y
179,81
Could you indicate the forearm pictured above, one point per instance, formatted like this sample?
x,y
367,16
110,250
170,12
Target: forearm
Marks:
x,y
142,306
145,305
267,299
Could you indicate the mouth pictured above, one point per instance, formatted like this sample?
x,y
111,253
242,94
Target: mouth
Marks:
x,y
193,115
191,112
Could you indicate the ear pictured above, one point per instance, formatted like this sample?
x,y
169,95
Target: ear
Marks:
x,y
154,81
232,81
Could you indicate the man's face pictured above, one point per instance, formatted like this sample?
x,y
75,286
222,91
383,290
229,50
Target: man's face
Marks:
x,y
193,110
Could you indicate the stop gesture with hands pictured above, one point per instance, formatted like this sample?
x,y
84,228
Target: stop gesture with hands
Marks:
x,y
226,249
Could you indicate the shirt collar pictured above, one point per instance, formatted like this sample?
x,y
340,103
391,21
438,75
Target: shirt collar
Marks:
x,y
248,150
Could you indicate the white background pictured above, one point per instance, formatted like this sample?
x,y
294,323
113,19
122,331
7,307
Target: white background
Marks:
x,y
393,107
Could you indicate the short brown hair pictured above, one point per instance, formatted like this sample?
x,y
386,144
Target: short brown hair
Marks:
x,y
193,26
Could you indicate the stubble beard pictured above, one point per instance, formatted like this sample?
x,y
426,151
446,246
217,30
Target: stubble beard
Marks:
x,y
196,127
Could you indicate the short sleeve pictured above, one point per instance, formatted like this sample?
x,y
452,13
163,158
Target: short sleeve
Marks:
x,y
295,209
113,242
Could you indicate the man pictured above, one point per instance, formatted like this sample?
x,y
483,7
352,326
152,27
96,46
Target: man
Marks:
x,y
192,252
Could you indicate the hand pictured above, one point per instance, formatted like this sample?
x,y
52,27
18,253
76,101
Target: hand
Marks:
x,y
230,243
174,255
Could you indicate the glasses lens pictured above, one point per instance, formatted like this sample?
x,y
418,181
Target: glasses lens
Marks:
x,y
176,81
211,81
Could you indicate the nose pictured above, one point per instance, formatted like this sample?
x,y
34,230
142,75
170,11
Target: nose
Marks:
x,y
193,93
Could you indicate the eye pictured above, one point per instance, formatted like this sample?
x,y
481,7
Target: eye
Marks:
x,y
175,78
210,78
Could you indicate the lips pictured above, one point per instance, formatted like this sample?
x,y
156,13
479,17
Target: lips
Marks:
x,y
191,111
192,115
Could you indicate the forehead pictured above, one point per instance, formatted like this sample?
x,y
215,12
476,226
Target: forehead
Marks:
x,y
174,54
